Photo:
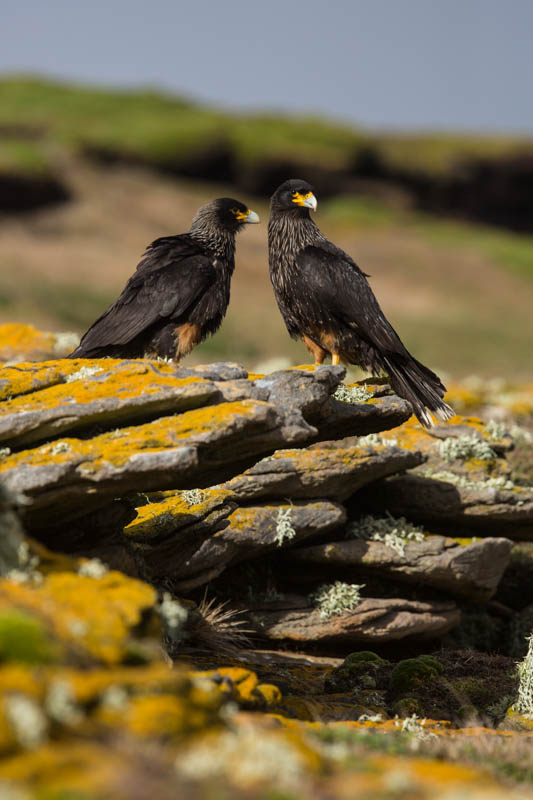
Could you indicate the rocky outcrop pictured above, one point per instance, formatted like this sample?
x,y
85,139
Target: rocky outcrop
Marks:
x,y
179,475
333,469
66,478
100,396
252,532
374,620
465,569
445,503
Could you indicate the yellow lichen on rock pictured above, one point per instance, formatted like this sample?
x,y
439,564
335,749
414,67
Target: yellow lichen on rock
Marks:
x,y
120,381
165,515
24,342
33,376
61,602
162,434
243,686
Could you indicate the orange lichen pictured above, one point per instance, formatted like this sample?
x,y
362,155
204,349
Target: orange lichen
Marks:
x,y
30,376
162,434
244,687
61,601
169,513
18,342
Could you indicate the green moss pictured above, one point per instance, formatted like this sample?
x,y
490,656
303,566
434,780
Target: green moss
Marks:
x,y
364,657
433,662
411,673
407,706
23,638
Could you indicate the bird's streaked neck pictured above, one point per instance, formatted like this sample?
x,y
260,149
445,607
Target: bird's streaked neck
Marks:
x,y
292,232
219,240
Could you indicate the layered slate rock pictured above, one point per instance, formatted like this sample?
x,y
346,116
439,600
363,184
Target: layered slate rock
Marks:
x,y
309,391
66,478
12,551
100,396
330,469
196,553
374,620
481,508
470,570
471,493
166,534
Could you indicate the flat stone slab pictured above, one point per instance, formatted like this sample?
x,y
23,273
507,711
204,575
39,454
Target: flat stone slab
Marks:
x,y
374,621
481,508
166,534
339,419
252,532
336,470
467,570
64,479
103,395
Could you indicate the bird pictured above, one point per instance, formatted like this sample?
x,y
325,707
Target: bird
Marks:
x,y
179,292
326,300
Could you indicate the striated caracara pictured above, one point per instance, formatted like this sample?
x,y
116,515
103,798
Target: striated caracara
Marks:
x,y
179,292
326,300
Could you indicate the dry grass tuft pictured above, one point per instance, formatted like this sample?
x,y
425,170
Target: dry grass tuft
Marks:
x,y
220,628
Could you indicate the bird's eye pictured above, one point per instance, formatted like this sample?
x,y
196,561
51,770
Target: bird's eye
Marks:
x,y
235,211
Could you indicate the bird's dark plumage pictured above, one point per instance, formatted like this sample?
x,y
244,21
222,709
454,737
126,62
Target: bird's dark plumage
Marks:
x,y
179,292
326,300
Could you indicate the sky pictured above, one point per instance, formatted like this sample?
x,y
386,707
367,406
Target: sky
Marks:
x,y
404,64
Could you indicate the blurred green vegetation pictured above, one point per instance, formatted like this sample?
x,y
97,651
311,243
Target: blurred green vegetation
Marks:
x,y
510,250
24,157
166,131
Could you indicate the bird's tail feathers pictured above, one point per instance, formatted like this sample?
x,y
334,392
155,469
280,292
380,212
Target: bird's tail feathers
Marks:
x,y
420,386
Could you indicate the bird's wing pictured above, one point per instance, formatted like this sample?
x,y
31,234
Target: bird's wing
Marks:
x,y
342,291
169,278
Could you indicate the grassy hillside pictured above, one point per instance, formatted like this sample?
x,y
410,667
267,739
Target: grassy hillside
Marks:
x,y
166,131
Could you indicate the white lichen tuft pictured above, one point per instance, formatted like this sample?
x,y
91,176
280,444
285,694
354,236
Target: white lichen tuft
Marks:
x,y
394,532
115,698
284,528
82,373
336,598
26,719
65,342
413,726
60,447
26,572
375,440
4,452
499,482
60,703
192,497
524,700
173,613
495,430
249,756
464,447
92,568
520,435
78,627
352,394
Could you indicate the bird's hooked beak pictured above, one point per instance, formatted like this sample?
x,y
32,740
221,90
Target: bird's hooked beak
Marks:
x,y
306,200
252,217
246,216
